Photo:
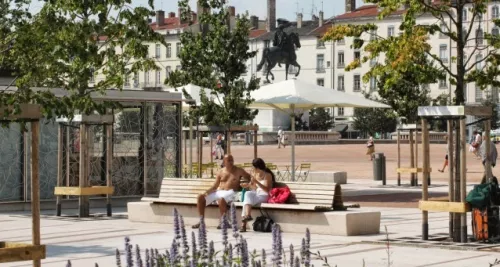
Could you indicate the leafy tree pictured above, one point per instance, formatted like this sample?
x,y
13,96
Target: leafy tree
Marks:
x,y
490,102
374,120
320,120
216,58
300,124
405,94
405,49
67,45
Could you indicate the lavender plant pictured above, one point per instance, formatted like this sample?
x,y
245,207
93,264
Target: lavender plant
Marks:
x,y
203,252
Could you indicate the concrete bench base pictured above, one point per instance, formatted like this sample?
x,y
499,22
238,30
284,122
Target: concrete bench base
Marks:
x,y
338,223
337,177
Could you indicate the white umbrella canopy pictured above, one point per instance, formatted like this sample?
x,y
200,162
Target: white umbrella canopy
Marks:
x,y
295,94
194,91
303,95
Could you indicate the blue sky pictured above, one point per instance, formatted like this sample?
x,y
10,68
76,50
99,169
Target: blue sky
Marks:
x,y
285,8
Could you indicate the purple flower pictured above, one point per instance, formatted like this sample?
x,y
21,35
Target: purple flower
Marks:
x,y
307,259
234,222
148,260
297,262
68,264
230,255
224,226
177,228
128,252
264,262
303,251
118,258
138,258
173,252
291,255
277,246
202,238
194,252
184,240
244,253
211,253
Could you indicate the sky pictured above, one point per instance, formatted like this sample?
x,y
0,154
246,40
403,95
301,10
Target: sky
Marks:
x,y
284,8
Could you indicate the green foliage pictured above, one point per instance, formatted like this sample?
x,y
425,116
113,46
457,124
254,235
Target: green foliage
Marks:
x,y
129,121
68,44
320,120
374,120
402,51
300,125
405,94
495,124
216,59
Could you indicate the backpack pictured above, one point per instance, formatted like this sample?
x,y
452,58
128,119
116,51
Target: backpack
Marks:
x,y
279,195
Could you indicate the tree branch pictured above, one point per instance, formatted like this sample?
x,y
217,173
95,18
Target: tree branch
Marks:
x,y
436,58
491,52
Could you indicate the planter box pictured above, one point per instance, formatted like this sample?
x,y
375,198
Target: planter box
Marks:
x,y
11,252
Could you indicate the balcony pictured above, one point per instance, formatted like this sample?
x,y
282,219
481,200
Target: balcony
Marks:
x,y
320,69
340,65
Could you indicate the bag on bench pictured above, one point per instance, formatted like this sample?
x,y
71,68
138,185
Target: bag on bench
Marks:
x,y
263,223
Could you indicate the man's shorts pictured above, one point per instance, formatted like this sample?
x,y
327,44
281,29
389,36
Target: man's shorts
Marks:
x,y
227,195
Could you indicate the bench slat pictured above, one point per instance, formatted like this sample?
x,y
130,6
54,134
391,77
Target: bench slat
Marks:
x,y
299,197
201,189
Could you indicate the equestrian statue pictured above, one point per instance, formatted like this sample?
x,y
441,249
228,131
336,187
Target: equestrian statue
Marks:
x,y
283,51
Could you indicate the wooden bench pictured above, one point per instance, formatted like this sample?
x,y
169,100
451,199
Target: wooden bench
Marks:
x,y
306,209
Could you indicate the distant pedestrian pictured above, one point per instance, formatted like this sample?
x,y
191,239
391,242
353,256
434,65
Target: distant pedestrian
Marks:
x,y
218,147
493,153
370,147
281,137
445,157
478,140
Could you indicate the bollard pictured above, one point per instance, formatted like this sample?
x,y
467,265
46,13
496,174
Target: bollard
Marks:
x,y
379,173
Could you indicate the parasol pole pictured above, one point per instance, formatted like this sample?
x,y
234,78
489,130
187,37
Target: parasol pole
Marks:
x,y
292,106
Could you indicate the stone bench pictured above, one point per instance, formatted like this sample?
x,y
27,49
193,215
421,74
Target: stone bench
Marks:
x,y
305,210
336,177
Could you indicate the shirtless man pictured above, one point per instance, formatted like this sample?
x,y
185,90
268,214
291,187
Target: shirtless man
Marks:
x,y
224,190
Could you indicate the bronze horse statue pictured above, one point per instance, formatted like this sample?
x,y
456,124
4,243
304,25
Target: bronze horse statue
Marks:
x,y
286,55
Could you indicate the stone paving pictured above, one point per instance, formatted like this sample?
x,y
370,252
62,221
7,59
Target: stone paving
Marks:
x,y
88,241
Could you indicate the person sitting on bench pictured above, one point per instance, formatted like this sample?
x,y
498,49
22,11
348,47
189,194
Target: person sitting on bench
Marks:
x,y
224,189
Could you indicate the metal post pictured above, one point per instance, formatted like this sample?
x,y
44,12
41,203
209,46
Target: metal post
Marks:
x,y
425,174
60,142
293,141
399,155
451,168
463,180
255,143
487,143
412,158
83,204
109,163
35,186
190,148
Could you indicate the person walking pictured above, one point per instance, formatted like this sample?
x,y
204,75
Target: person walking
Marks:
x,y
218,147
446,156
370,147
281,137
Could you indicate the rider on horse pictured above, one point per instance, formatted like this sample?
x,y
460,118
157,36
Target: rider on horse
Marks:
x,y
280,37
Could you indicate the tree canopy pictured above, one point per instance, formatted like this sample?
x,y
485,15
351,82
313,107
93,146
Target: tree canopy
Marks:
x,y
79,46
216,59
475,57
320,120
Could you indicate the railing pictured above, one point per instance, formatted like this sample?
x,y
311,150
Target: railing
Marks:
x,y
301,137
433,136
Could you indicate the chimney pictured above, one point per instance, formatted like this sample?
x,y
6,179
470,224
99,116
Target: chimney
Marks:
x,y
271,15
254,22
194,17
314,18
299,20
160,18
181,21
321,18
350,6
200,11
171,14
232,11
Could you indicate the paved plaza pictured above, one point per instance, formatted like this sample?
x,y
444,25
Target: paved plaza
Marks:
x,y
350,158
88,241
